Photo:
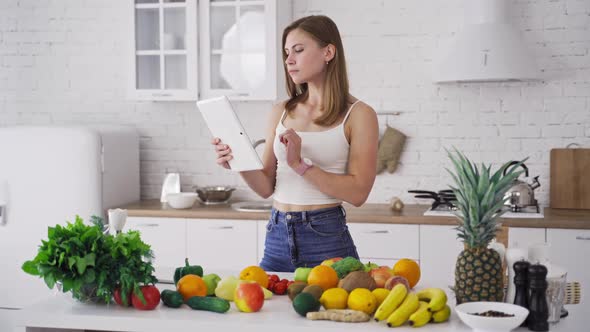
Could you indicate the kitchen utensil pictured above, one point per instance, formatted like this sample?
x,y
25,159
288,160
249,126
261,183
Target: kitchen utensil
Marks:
x,y
171,185
570,178
555,294
427,192
521,194
466,311
252,206
573,293
117,220
426,196
513,255
444,198
181,200
215,194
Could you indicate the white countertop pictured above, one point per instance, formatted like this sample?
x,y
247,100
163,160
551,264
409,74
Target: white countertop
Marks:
x,y
63,313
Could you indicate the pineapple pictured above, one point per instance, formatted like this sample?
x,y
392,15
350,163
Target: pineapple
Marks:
x,y
480,199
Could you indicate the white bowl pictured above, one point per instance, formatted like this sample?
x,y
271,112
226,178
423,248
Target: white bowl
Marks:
x,y
465,311
182,200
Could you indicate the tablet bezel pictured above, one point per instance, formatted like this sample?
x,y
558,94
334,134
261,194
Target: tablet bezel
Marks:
x,y
223,122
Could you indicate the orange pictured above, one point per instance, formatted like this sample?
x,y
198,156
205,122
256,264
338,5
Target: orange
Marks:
x,y
408,269
191,285
323,276
255,273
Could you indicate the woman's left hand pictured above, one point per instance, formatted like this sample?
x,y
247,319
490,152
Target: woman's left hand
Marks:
x,y
292,143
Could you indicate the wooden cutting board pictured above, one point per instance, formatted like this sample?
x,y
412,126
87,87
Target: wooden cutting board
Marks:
x,y
570,179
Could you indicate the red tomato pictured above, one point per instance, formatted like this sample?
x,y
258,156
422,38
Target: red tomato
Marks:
x,y
119,298
151,295
271,285
280,288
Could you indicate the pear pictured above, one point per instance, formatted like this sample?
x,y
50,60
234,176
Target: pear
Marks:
x,y
226,287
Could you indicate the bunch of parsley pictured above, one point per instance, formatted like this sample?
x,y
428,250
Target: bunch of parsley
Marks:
x,y
92,264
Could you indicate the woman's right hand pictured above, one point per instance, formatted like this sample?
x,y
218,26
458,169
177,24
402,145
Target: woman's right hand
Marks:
x,y
223,153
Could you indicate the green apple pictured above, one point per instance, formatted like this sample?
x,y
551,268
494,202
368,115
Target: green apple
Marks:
x,y
211,280
226,287
370,266
301,273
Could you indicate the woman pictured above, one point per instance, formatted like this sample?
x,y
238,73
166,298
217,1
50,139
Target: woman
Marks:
x,y
323,152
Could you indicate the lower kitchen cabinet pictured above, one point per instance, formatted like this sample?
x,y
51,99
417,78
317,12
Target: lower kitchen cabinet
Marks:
x,y
384,244
439,248
523,237
166,236
222,244
570,249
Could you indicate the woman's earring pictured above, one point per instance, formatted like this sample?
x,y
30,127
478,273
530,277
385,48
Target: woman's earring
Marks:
x,y
327,62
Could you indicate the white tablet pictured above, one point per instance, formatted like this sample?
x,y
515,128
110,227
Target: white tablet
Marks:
x,y
224,123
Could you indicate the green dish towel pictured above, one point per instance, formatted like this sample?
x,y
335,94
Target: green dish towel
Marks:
x,y
390,150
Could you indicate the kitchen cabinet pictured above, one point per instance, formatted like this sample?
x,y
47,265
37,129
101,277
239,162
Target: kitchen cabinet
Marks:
x,y
222,244
385,244
240,48
523,237
439,248
182,51
163,61
166,236
570,248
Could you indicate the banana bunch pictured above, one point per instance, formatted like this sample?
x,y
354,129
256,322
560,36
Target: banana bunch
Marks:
x,y
417,309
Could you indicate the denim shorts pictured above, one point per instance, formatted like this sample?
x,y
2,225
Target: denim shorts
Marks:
x,y
296,239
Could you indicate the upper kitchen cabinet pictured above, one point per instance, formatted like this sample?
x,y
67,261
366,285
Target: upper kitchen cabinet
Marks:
x,y
164,58
240,48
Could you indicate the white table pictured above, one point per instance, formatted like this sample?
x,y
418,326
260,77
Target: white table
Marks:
x,y
62,313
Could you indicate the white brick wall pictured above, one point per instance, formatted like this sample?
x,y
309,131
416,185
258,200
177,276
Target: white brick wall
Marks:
x,y
63,62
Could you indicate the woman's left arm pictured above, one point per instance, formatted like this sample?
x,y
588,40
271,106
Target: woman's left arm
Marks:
x,y
353,187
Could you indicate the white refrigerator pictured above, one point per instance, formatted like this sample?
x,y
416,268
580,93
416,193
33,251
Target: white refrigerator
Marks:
x,y
49,175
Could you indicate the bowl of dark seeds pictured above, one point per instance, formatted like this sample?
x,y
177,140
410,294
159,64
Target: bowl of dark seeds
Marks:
x,y
491,316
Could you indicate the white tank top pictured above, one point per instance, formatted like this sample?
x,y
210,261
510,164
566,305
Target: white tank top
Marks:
x,y
327,150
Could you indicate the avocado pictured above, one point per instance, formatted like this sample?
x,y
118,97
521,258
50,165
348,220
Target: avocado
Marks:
x,y
304,303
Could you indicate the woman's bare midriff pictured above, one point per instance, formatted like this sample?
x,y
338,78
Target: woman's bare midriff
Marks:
x,y
298,208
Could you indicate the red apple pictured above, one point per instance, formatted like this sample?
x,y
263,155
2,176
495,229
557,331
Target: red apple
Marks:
x,y
249,297
330,261
381,274
391,282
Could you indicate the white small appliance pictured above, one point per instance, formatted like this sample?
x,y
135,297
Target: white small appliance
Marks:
x,y
48,175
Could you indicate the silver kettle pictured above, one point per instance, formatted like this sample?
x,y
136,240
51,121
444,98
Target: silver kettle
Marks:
x,y
521,194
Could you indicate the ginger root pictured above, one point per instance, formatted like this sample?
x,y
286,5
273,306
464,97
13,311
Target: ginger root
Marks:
x,y
339,315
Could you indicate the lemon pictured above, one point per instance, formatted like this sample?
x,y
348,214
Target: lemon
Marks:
x,y
380,294
362,299
334,298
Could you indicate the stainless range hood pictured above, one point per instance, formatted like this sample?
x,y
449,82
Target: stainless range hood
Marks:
x,y
487,49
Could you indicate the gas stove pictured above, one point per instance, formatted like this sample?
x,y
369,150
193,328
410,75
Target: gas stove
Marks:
x,y
444,205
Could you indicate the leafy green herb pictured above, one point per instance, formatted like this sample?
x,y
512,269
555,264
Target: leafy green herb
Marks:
x,y
87,262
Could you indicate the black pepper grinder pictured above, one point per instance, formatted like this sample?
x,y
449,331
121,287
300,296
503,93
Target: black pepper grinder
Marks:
x,y
538,309
521,291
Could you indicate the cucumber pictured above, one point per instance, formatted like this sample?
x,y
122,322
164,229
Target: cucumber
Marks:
x,y
172,299
214,304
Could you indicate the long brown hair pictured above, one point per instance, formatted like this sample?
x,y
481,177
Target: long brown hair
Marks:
x,y
335,91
